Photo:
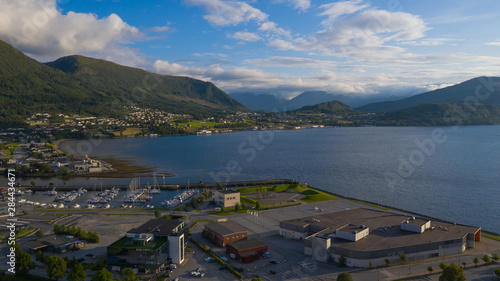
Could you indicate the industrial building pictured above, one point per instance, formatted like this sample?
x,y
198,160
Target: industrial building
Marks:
x,y
246,250
226,198
224,233
150,247
55,243
365,236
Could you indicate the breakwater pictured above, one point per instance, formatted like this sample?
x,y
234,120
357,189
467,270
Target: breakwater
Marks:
x,y
209,185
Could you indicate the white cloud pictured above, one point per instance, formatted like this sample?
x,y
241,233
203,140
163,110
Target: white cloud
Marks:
x,y
360,35
226,13
41,30
272,30
159,28
301,5
496,43
245,36
439,86
294,62
337,9
429,42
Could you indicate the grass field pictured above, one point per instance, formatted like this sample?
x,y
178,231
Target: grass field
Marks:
x,y
316,196
273,188
9,148
312,195
494,237
128,132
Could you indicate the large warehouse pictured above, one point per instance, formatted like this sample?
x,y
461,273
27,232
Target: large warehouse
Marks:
x,y
224,233
363,236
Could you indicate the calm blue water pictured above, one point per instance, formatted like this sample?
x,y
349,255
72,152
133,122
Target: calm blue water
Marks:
x,y
450,173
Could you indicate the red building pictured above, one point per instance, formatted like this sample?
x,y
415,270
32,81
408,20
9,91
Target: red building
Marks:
x,y
247,250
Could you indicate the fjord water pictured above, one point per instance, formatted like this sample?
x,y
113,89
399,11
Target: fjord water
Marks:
x,y
451,173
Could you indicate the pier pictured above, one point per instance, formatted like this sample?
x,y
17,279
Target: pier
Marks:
x,y
209,185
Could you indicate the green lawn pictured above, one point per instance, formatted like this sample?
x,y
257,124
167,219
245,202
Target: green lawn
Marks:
x,y
494,237
221,213
316,196
246,200
122,244
273,188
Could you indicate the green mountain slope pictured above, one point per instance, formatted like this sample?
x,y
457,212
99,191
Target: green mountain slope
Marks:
x,y
135,85
331,107
86,86
487,89
444,114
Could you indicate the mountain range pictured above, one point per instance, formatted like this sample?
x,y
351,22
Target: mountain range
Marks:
x,y
481,90
271,103
88,86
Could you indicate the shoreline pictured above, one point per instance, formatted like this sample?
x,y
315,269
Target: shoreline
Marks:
x,y
122,167
239,184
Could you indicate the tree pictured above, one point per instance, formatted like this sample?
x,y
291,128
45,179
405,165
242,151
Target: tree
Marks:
x,y
77,273
464,264
497,273
39,257
243,205
442,265
55,266
475,260
486,259
342,261
24,263
430,269
257,205
157,214
103,275
387,261
237,207
344,277
403,258
222,209
33,183
370,264
495,257
128,274
39,233
453,272
57,229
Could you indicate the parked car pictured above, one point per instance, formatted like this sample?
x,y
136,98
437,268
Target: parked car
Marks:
x,y
272,271
222,267
209,259
273,261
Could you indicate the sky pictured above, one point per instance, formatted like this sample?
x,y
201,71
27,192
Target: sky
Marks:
x,y
279,47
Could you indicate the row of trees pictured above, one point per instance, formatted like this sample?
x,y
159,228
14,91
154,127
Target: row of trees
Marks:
x,y
60,268
90,236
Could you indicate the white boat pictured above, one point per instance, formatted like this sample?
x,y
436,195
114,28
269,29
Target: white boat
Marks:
x,y
76,206
22,201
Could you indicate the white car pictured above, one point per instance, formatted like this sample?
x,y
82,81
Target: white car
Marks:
x,y
209,259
